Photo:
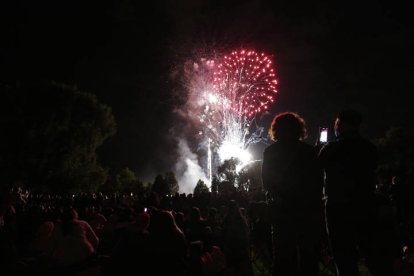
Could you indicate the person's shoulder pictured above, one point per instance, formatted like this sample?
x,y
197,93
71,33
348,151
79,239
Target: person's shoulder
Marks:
x,y
308,150
271,148
272,145
328,147
368,142
333,143
363,142
82,223
305,145
369,146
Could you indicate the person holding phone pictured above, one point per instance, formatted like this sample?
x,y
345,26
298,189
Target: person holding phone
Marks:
x,y
323,135
349,163
322,139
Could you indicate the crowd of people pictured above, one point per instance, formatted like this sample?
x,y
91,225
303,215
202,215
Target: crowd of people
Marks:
x,y
321,211
116,234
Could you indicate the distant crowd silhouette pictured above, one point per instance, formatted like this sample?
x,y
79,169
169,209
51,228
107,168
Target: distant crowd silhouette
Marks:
x,y
321,213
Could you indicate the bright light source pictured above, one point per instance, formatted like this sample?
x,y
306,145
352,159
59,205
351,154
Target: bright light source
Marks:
x,y
230,150
212,98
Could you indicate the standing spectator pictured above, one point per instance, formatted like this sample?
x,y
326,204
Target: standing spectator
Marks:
x,y
349,163
293,181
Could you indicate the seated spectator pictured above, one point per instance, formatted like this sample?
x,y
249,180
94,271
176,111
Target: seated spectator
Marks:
x,y
214,223
236,245
195,225
213,261
130,255
98,221
195,263
73,240
41,242
168,245
179,219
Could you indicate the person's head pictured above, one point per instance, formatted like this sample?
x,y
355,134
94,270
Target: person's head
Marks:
x,y
179,219
234,209
195,214
143,220
69,214
163,222
288,126
212,212
347,121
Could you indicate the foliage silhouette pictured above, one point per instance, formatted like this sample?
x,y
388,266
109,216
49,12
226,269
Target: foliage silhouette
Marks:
x,y
50,136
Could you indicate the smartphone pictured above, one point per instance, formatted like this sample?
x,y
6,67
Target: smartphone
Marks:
x,y
323,135
145,210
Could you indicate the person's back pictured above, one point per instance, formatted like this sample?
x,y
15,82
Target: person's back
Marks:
x,y
73,240
194,226
292,176
293,181
349,163
167,245
72,247
131,254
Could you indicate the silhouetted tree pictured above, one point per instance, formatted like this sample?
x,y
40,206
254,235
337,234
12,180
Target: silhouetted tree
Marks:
x,y
250,177
50,133
227,170
226,187
160,186
128,182
172,183
200,188
227,176
166,185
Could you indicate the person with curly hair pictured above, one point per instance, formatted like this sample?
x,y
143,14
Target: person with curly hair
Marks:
x,y
293,181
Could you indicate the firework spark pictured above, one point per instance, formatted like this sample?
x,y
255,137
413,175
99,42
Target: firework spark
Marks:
x,y
247,80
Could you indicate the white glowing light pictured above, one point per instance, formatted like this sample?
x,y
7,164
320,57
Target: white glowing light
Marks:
x,y
234,141
230,150
212,98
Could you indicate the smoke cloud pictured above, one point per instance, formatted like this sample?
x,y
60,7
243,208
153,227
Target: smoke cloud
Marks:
x,y
188,170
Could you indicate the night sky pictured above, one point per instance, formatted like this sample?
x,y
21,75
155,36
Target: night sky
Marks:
x,y
329,55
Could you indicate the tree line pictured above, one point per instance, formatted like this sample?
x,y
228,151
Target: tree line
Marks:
x,y
51,132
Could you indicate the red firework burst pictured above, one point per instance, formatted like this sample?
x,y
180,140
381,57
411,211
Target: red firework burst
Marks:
x,y
246,81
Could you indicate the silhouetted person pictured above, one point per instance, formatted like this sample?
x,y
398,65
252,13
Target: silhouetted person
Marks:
x,y
73,240
168,245
236,244
293,181
214,223
130,255
261,229
194,226
349,163
8,248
